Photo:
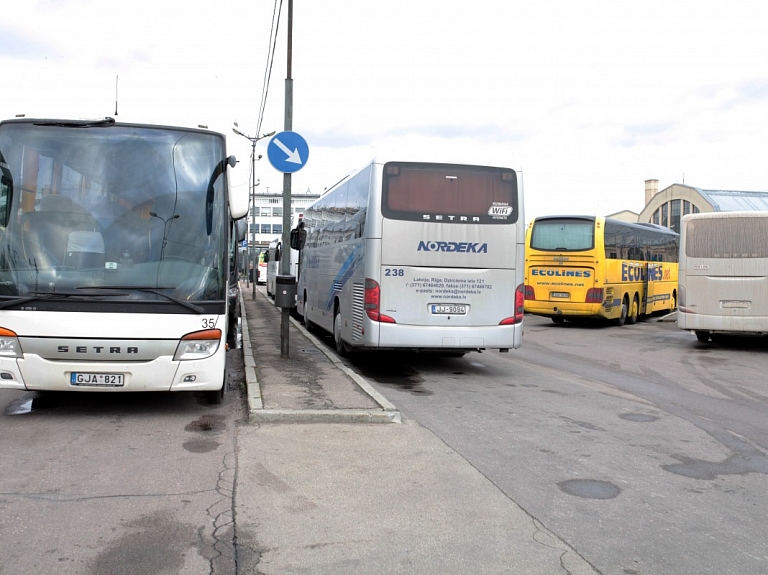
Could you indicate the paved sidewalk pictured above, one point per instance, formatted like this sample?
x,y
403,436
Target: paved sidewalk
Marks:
x,y
320,489
311,385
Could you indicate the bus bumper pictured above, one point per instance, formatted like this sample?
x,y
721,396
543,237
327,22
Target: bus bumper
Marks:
x,y
431,338
32,372
565,309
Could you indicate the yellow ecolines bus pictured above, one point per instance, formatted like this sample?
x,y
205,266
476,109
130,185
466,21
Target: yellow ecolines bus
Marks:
x,y
582,267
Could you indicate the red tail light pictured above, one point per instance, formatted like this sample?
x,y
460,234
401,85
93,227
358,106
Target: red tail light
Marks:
x,y
595,295
519,305
371,301
529,293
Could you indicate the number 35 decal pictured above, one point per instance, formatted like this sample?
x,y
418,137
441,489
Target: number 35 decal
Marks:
x,y
394,272
209,322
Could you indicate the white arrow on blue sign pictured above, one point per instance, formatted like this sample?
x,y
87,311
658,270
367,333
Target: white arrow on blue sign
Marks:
x,y
288,152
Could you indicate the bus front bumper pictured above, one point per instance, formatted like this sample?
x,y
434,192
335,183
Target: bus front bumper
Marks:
x,y
162,374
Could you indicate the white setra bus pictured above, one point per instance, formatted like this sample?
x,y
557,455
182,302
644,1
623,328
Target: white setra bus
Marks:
x,y
416,256
115,257
723,274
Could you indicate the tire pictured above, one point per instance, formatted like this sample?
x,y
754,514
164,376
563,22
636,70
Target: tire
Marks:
x,y
341,347
310,327
454,354
558,319
702,336
634,311
624,311
216,397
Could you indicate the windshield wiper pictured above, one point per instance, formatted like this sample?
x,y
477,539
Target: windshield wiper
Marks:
x,y
153,290
78,123
17,300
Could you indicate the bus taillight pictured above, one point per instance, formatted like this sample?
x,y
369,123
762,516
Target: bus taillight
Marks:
x,y
519,307
595,295
530,294
371,301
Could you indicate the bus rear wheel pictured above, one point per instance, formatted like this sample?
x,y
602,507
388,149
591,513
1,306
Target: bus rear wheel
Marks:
x,y
341,347
558,319
634,311
624,311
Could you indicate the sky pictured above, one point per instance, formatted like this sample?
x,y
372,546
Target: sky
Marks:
x,y
586,99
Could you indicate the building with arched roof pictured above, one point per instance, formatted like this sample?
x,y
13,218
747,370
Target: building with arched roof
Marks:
x,y
668,206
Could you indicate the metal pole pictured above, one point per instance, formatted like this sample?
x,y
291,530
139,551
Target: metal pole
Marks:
x,y
285,259
253,217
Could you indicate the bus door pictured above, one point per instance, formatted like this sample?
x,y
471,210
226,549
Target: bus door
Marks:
x,y
646,301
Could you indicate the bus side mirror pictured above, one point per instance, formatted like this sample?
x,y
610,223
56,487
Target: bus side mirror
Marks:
x,y
298,238
266,257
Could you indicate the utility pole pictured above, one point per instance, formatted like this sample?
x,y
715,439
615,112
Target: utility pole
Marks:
x,y
251,203
285,256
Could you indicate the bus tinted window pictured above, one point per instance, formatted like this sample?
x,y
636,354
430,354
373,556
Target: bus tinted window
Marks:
x,y
563,235
450,193
727,238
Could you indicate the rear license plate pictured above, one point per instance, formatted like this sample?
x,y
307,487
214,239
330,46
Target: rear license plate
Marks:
x,y
560,294
738,304
97,379
449,309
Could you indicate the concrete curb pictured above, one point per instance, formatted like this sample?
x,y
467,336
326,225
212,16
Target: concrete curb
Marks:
x,y
257,413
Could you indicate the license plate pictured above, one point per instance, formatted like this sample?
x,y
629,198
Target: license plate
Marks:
x,y
97,379
560,294
738,304
449,309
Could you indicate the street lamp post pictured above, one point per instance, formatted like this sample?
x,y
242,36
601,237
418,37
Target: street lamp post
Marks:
x,y
251,202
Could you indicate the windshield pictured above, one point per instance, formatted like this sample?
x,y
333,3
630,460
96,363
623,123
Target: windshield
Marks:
x,y
105,205
563,235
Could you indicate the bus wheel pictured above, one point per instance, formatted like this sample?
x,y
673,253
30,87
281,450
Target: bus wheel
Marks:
x,y
558,319
341,347
633,312
216,397
624,309
307,323
702,336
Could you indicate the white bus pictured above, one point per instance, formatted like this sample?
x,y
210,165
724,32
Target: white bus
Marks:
x,y
723,274
416,256
115,248
273,257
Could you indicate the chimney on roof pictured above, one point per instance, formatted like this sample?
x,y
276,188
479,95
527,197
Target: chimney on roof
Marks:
x,y
651,189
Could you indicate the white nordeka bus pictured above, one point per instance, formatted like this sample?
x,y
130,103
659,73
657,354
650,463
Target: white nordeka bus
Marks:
x,y
116,249
723,274
416,256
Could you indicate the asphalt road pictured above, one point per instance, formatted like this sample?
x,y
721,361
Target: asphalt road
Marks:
x,y
642,448
116,483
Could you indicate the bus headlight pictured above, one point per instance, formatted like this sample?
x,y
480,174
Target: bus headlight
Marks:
x,y
9,343
198,345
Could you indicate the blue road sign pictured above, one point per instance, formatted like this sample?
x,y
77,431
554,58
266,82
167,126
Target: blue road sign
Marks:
x,y
288,152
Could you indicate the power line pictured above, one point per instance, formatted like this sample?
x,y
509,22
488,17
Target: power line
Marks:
x,y
270,59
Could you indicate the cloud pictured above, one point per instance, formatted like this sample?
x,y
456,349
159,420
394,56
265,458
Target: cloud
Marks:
x,y
25,46
645,134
